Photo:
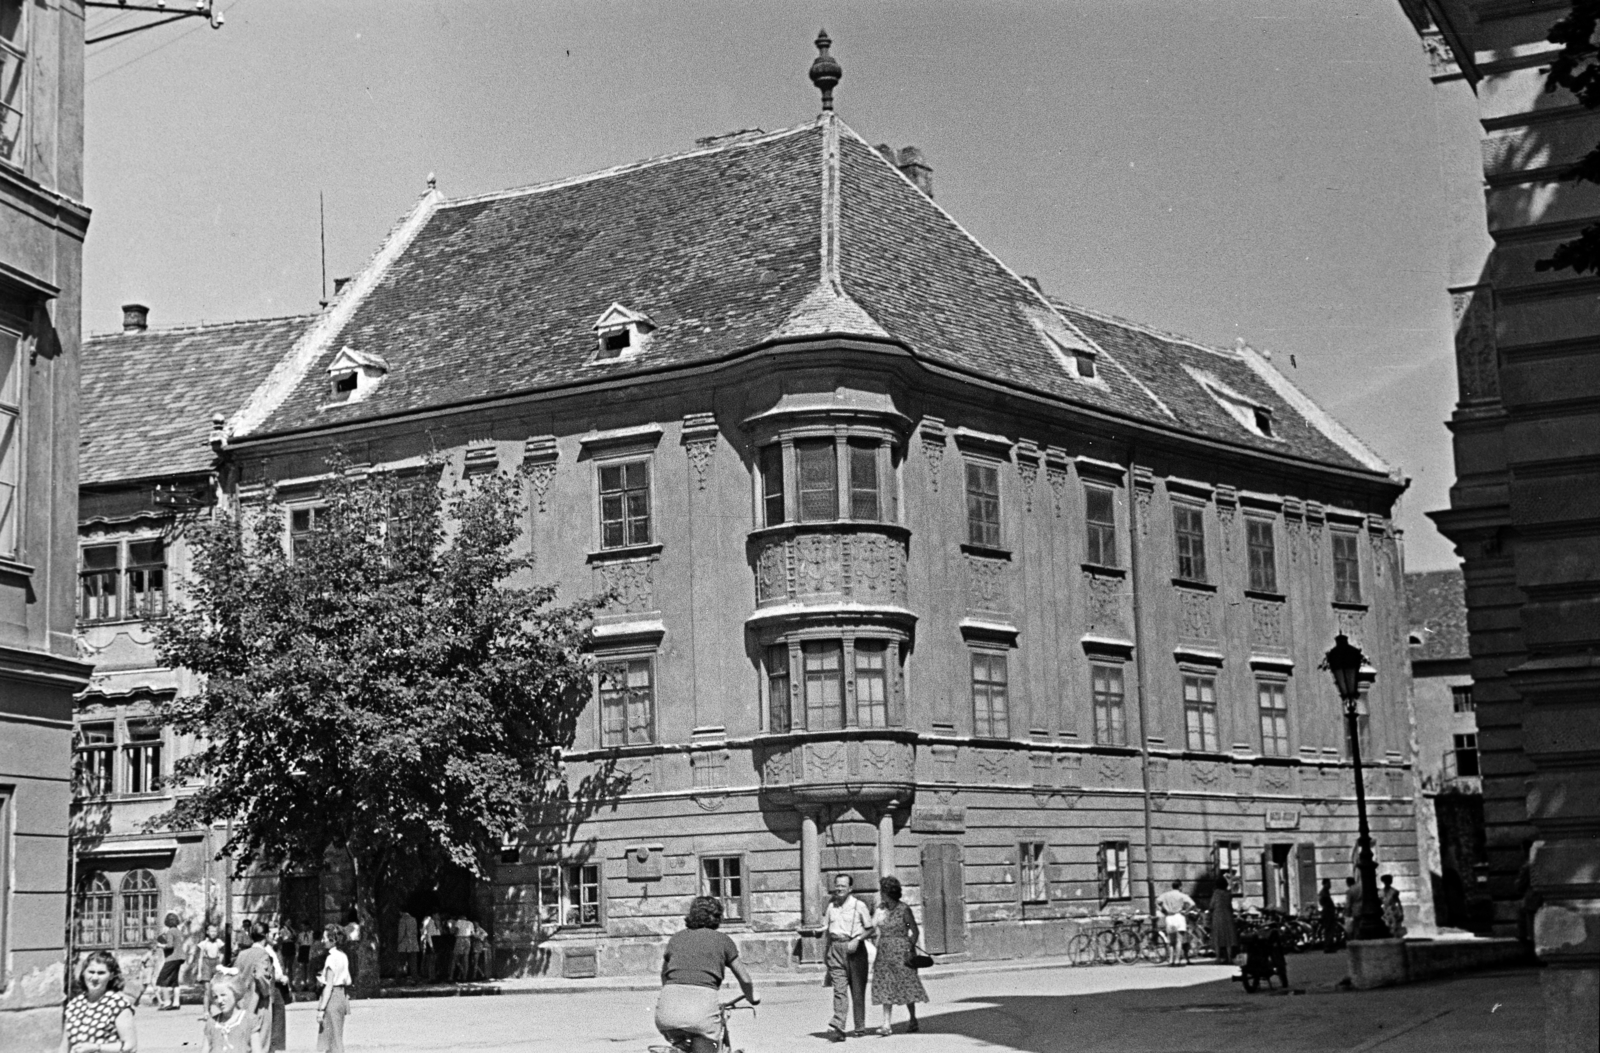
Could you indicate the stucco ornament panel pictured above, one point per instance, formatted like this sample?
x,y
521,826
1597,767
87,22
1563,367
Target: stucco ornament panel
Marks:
x,y
1205,773
994,766
817,563
1111,770
886,761
772,573
1266,623
1105,603
933,435
630,583
778,768
1477,356
986,585
878,568
1351,624
1195,619
826,762
1275,779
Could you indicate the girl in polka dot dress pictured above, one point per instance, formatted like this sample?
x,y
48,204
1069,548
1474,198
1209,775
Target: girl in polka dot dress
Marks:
x,y
99,1018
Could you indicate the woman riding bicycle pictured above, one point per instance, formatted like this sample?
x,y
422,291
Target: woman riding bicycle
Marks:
x,y
689,1008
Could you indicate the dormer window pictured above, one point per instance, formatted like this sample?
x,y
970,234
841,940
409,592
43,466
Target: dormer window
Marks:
x,y
353,374
1085,360
1263,420
1074,353
1250,414
620,333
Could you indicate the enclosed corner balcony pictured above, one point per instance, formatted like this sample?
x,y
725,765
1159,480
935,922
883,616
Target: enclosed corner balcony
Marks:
x,y
807,564
855,765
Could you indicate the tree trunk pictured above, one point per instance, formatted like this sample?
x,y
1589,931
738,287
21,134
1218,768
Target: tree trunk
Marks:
x,y
364,952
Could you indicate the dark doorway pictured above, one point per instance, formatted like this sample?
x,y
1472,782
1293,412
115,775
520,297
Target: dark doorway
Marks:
x,y
944,910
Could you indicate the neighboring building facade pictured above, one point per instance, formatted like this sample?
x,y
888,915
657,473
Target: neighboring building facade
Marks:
x,y
1447,746
1524,508
914,570
42,225
147,470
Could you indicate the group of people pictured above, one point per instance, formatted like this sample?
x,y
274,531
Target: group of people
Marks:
x,y
1394,913
689,1008
244,1001
442,948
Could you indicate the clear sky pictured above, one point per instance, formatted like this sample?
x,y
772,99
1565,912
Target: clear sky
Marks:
x,y
1264,169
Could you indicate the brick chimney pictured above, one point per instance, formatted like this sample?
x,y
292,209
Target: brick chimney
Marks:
x,y
135,318
912,163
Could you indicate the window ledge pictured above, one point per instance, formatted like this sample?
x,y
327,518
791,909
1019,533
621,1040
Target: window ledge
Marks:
x,y
1258,594
826,525
1104,571
986,551
1349,605
1198,586
606,555
14,568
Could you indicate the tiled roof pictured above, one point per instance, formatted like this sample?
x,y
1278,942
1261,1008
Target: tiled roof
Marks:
x,y
1436,611
804,232
148,397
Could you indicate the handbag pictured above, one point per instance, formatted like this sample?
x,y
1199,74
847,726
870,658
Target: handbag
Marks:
x,y
917,959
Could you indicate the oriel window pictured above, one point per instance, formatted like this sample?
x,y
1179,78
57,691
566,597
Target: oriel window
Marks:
x,y
824,687
865,501
778,718
872,683
772,485
1263,553
816,464
1189,531
625,504
983,504
1100,526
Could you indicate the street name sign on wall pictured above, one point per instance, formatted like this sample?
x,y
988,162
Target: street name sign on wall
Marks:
x,y
1283,818
950,819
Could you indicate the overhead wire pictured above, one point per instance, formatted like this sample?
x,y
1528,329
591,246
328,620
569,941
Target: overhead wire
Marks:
x,y
201,24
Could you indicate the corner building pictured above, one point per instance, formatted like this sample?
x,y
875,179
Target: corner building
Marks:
x,y
912,569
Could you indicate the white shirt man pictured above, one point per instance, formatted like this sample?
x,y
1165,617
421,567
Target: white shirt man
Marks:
x,y
1173,904
846,925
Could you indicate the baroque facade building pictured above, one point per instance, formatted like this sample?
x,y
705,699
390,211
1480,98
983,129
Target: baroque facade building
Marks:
x,y
1523,509
42,225
911,568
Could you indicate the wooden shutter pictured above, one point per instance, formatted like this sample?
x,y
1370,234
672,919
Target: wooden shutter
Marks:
x,y
955,908
1100,875
933,928
1269,883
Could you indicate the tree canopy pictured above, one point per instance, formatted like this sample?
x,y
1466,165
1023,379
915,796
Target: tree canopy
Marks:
x,y
1577,69
376,676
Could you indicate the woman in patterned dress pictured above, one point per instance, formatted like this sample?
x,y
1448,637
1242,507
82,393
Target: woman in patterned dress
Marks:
x,y
893,982
99,1018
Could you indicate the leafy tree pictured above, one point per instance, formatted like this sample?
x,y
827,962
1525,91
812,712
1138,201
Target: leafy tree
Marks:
x,y
386,689
1577,68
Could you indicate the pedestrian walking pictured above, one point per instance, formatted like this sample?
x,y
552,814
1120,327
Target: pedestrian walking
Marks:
x,y
692,968
228,1028
894,982
334,1004
170,942
1394,912
482,952
405,945
847,924
99,1014
207,959
1330,917
1352,906
1173,905
1224,934
276,1023
461,949
253,977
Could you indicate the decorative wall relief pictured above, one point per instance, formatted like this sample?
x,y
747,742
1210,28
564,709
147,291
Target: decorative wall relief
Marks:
x,y
877,566
868,566
1244,778
1477,355
1028,470
933,436
772,573
825,762
539,457
1293,521
1266,624
1227,502
1377,537
986,585
886,761
1069,770
1055,466
1104,592
630,583
1195,619
994,766
1205,773
944,763
1041,765
1275,779
778,768
700,442
1144,485
481,456
710,769
1315,521
1111,771
1160,775
1351,623
816,563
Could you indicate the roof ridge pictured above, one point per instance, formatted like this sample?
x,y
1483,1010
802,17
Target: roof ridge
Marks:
x,y
1314,414
1163,334
190,327
626,168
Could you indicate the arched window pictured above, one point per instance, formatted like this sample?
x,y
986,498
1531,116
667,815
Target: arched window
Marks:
x,y
141,909
94,911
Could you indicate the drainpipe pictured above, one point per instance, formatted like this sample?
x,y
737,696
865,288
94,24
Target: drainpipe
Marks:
x,y
1138,673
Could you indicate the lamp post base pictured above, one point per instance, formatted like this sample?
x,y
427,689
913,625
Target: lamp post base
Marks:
x,y
1370,928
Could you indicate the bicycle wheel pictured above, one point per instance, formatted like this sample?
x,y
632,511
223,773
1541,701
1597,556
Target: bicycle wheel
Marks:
x,y
1127,946
1105,947
1153,947
1080,949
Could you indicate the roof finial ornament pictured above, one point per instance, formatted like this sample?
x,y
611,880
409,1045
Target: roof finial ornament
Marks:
x,y
825,70
433,181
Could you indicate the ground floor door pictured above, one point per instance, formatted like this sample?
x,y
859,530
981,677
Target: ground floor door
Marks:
x,y
1308,875
1278,878
944,905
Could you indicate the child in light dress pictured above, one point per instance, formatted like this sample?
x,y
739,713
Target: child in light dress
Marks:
x,y
230,1029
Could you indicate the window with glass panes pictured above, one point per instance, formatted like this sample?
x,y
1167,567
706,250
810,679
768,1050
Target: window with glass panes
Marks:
x,y
1189,533
1461,698
778,701
1271,700
817,471
1263,552
1200,712
1346,567
146,576
96,912
772,485
1100,526
96,756
824,685
1110,725
1032,880
872,683
990,713
141,908
865,502
142,758
302,528
722,878
97,583
11,367
13,79
581,899
627,701
625,504
1114,868
1466,751
983,504
1228,855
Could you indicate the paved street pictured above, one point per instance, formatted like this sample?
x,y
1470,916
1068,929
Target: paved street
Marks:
x,y
1118,1009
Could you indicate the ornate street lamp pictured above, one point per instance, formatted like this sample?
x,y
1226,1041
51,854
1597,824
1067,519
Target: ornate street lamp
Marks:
x,y
1345,661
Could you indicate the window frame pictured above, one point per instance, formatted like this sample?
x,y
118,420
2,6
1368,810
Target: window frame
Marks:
x,y
102,576
573,884
1347,566
1109,732
18,52
1278,744
743,879
986,519
130,594
1227,854
6,866
778,669
604,663
621,464
1261,560
1459,692
1099,536
1189,565
794,714
136,763
95,887
1033,871
1120,889
104,756
845,438
142,918
291,536
823,675
985,727
1466,742
1205,683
